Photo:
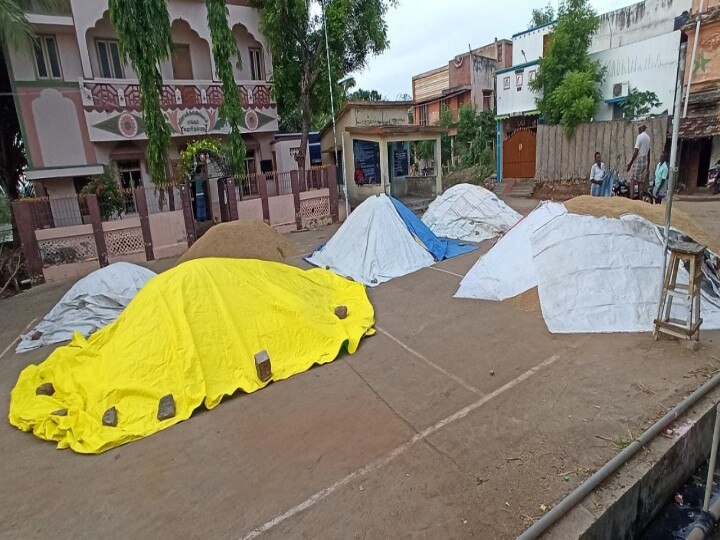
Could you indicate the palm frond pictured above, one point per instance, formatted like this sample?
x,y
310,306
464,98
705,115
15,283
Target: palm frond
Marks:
x,y
15,30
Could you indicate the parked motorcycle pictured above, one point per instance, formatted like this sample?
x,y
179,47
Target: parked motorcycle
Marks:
x,y
713,181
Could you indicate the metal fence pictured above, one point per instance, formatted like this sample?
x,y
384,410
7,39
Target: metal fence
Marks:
x,y
165,200
54,212
48,213
280,183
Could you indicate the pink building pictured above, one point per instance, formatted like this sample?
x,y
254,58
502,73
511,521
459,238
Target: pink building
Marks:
x,y
79,104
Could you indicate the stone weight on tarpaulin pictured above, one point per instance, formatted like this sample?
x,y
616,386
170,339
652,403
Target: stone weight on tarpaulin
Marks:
x,y
110,418
45,389
341,312
263,366
166,408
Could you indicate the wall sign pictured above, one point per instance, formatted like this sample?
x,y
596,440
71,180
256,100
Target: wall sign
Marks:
x,y
400,162
367,162
193,123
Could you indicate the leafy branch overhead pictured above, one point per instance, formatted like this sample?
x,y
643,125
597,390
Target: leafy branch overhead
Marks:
x,y
542,16
639,104
224,51
566,76
143,27
356,30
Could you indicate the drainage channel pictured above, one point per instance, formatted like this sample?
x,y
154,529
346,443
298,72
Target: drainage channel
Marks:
x,y
677,518
632,501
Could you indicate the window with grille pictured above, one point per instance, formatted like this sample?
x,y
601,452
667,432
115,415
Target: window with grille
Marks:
x,y
256,64
108,52
423,115
250,162
130,178
47,58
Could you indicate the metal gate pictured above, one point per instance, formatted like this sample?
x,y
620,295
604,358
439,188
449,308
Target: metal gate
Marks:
x,y
519,155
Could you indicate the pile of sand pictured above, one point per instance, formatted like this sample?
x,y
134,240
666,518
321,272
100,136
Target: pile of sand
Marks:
x,y
614,207
241,240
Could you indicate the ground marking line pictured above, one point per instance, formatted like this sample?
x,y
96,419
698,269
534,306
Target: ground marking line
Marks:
x,y
380,462
14,341
432,364
445,271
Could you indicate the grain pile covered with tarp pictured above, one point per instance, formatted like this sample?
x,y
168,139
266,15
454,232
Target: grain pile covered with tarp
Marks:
x,y
243,239
193,334
92,303
383,239
469,213
589,274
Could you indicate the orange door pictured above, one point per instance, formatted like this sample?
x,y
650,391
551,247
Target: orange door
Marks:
x,y
519,155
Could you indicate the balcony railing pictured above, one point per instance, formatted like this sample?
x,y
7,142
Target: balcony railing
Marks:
x,y
124,94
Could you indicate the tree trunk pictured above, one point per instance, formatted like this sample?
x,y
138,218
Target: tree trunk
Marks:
x,y
305,114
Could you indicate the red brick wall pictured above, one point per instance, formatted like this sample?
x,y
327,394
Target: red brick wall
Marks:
x,y
460,76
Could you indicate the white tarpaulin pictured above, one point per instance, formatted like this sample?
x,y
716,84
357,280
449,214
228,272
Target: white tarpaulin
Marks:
x,y
92,303
373,245
604,275
469,213
507,269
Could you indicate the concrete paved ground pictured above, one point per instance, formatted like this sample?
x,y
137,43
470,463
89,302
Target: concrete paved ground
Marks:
x,y
459,418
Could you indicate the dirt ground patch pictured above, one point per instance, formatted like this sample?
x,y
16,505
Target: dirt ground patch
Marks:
x,y
242,240
459,418
560,190
471,175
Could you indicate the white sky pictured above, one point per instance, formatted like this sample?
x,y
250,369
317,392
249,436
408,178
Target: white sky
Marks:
x,y
426,34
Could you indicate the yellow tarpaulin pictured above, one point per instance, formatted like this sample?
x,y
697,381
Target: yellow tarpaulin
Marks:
x,y
191,332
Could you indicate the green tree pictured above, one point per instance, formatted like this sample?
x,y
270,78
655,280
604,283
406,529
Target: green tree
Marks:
x,y
424,149
639,104
566,76
445,120
475,138
356,29
107,189
143,28
4,207
542,16
365,95
224,51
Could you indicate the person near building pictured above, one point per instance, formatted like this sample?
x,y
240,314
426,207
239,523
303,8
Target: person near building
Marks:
x,y
639,163
360,178
598,173
661,177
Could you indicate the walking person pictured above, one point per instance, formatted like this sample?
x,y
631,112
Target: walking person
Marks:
x,y
639,163
598,172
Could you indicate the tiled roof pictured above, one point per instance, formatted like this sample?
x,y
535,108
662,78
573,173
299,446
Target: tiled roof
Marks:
x,y
699,126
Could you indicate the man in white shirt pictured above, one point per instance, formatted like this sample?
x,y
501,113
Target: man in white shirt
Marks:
x,y
597,176
639,164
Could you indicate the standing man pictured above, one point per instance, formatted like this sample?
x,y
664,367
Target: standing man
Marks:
x,y
661,177
639,164
597,176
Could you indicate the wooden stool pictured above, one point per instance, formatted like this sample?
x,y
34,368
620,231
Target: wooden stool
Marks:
x,y
693,254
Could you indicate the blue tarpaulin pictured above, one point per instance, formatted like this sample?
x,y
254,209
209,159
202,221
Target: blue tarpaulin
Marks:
x,y
440,248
